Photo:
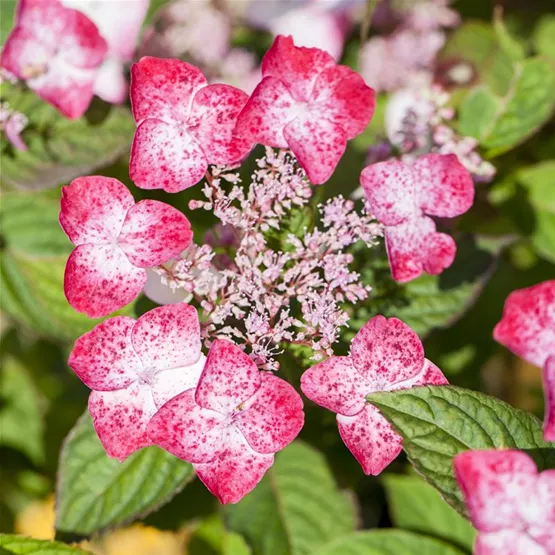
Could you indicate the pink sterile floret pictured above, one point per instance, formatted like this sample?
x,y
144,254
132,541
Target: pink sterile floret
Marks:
x,y
402,197
115,241
183,124
528,330
511,505
385,355
232,424
57,51
133,368
308,103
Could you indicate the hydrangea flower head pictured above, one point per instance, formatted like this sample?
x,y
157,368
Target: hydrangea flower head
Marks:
x,y
232,424
403,197
133,367
115,241
511,505
528,330
56,51
308,103
184,124
385,355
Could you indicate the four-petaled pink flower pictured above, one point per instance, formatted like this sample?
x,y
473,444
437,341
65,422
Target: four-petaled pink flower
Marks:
x,y
133,368
385,355
308,103
510,504
232,424
402,197
528,330
57,51
183,124
115,241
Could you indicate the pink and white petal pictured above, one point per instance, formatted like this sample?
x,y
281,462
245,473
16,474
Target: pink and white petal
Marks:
x,y
24,54
188,431
164,88
390,190
229,378
370,438
168,337
317,143
494,484
439,252
528,324
236,471
165,157
297,67
154,232
168,384
104,358
110,83
429,375
100,279
549,394
509,541
160,291
44,19
337,385
93,209
445,187
273,417
538,510
213,118
386,351
269,109
341,95
121,417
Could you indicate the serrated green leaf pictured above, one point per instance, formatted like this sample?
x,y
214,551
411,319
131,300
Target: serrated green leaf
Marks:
x,y
544,36
438,422
96,492
22,545
416,506
295,508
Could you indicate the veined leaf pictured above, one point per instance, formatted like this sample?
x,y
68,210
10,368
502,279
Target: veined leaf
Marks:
x,y
22,545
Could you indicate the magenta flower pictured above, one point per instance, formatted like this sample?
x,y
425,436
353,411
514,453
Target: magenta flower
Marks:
x,y
57,51
511,505
133,367
385,355
115,241
183,124
232,424
403,197
308,103
528,330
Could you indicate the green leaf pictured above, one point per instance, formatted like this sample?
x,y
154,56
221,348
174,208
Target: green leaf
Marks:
x,y
295,508
477,113
544,36
22,545
509,44
7,13
387,542
438,422
414,505
96,492
20,412
211,538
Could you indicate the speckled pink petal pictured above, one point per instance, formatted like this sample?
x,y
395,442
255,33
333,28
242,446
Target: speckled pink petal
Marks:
x,y
168,337
494,483
549,394
165,157
317,143
104,358
121,417
266,113
163,88
446,188
236,471
507,542
187,430
229,378
297,67
93,209
337,385
212,121
273,417
370,438
430,374
153,233
386,351
390,190
100,279
528,324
